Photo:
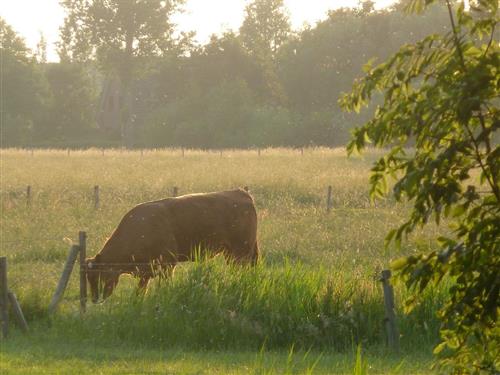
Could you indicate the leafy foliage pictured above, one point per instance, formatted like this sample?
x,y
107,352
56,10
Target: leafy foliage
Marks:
x,y
71,112
289,80
116,31
24,87
441,94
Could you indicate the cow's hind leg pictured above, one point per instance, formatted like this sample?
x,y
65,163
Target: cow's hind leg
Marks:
x,y
143,284
165,273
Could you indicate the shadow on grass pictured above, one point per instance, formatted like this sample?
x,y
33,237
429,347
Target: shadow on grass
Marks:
x,y
43,352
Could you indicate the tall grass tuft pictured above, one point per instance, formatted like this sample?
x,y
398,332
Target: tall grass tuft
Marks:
x,y
360,366
212,305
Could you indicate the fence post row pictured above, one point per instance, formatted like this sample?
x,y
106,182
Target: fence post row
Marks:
x,y
82,236
63,281
28,195
96,197
16,308
7,296
329,199
390,315
4,297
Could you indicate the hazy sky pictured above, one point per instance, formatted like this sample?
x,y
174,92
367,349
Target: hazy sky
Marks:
x,y
30,17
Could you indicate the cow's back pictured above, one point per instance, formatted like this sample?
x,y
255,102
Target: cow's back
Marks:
x,y
213,220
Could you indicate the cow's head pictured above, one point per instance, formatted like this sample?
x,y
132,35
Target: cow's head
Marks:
x,y
101,277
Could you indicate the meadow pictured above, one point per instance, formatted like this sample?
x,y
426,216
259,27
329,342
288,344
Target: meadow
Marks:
x,y
305,308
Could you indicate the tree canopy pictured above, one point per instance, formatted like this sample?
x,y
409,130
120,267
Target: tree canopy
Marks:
x,y
440,95
26,88
168,81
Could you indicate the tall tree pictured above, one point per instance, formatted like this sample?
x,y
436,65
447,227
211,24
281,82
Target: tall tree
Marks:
x,y
265,28
442,95
23,91
70,115
114,31
120,35
41,50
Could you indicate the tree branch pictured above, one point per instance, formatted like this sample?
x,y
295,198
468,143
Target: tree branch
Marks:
x,y
489,177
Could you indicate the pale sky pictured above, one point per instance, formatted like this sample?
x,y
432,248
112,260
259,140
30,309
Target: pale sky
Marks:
x,y
30,17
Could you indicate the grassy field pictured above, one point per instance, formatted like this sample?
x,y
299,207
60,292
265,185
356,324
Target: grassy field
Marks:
x,y
314,292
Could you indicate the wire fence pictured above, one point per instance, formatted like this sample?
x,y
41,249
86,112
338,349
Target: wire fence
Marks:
x,y
95,197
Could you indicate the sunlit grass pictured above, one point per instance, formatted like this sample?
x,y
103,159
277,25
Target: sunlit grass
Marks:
x,y
317,283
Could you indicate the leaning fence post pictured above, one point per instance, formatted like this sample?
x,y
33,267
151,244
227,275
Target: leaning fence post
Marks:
x,y
16,308
329,199
4,313
28,195
82,236
96,197
63,281
390,316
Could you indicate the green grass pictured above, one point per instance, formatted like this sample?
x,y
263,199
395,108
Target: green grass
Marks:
x,y
315,288
48,355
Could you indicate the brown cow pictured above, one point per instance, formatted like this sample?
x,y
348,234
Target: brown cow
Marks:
x,y
172,230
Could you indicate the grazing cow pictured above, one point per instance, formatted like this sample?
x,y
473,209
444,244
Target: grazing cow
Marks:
x,y
173,230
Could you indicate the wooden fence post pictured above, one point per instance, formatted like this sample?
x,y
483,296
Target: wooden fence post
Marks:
x,y
63,281
28,195
82,236
258,151
183,152
18,312
69,151
302,151
390,316
96,197
142,152
329,199
4,313
175,191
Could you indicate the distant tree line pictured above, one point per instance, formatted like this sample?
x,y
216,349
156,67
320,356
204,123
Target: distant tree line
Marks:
x,y
264,85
